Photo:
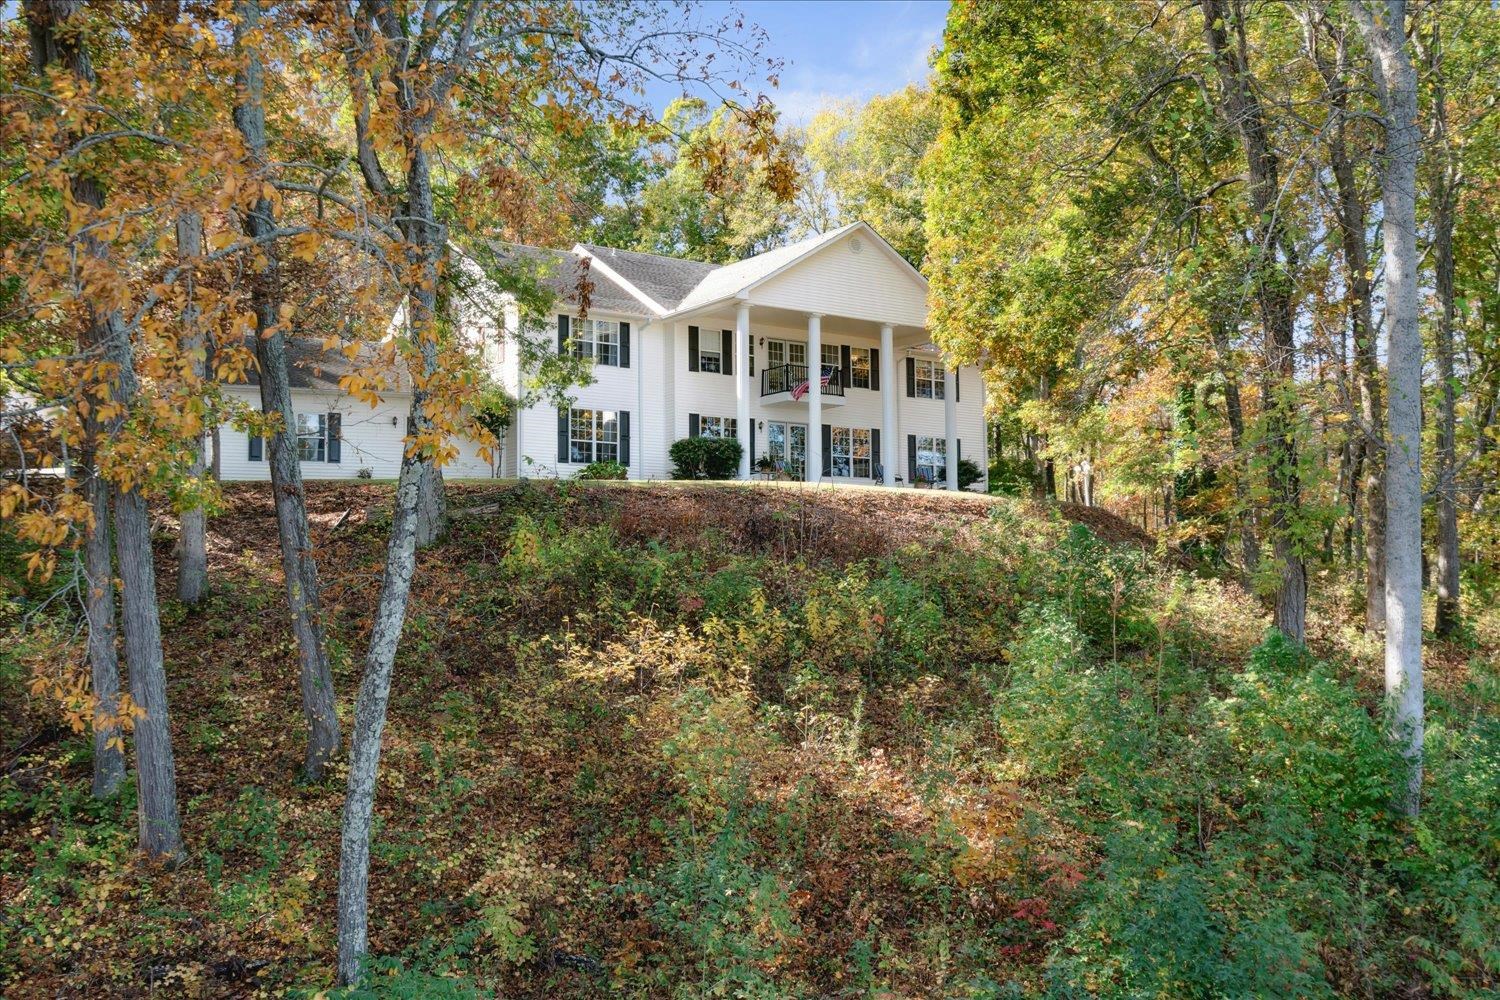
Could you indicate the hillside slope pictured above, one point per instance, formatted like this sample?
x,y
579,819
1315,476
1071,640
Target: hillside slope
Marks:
x,y
765,742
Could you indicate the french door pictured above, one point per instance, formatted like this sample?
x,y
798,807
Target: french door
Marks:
x,y
786,444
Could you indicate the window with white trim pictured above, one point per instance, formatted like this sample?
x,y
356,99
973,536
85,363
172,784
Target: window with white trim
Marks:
x,y
859,367
785,352
851,451
710,357
716,427
598,339
832,358
932,458
593,436
931,378
312,437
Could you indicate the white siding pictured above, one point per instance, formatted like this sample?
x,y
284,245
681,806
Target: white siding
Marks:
x,y
372,439
836,281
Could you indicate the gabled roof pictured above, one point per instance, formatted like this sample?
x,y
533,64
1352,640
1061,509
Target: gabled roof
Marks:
x,y
665,281
558,271
731,279
310,366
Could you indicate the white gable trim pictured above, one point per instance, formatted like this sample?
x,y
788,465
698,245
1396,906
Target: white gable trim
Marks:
x,y
657,309
744,290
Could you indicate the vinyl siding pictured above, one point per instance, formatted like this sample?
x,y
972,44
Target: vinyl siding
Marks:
x,y
836,281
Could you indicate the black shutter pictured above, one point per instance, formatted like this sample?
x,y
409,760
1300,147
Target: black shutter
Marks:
x,y
751,338
874,452
959,445
752,446
624,419
257,448
692,425
562,333
726,356
828,450
875,369
624,347
562,435
335,437
692,349
847,364
911,378
957,395
911,456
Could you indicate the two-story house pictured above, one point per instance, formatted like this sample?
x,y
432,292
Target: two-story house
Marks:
x,y
815,355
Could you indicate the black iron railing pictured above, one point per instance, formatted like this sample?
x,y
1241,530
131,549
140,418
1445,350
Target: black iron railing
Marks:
x,y
793,379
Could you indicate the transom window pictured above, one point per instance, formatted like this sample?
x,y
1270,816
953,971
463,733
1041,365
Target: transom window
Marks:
x,y
859,367
312,437
593,436
932,457
930,379
851,451
598,339
716,427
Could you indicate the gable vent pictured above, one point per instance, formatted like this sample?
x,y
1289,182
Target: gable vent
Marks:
x,y
856,245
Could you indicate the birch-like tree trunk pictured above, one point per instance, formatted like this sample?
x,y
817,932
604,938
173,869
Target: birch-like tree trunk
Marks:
x,y
1444,202
53,40
192,539
298,564
427,243
1384,29
1272,264
104,662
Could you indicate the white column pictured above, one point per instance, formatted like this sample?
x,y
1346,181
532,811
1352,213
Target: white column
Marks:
x,y
950,425
814,397
888,435
742,384
638,422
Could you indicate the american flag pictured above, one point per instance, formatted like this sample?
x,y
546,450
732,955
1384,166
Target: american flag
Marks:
x,y
800,389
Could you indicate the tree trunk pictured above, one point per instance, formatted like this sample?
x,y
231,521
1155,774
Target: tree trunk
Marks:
x,y
298,565
1273,280
432,506
1444,198
192,543
105,333
1234,415
1396,82
104,664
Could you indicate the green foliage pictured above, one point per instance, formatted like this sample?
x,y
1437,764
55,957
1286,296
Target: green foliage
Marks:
x,y
603,470
706,458
968,473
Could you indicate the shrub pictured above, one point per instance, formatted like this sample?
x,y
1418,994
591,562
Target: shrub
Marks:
x,y
706,458
602,470
968,473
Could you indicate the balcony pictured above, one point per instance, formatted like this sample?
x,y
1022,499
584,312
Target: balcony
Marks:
x,y
789,384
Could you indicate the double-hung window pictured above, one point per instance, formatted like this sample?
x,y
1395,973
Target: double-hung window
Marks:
x,y
859,367
716,427
930,378
312,437
593,436
932,458
831,357
710,356
598,339
851,452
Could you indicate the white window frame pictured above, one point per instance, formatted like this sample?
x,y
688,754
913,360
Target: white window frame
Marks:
x,y
598,339
716,427
935,450
856,380
714,353
833,357
593,435
851,449
780,352
932,378
312,437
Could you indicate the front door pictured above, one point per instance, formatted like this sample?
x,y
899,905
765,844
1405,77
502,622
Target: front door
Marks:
x,y
786,444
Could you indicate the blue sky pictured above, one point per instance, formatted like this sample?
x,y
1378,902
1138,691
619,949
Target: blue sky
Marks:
x,y
842,49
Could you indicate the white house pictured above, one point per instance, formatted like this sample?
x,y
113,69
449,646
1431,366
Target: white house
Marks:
x,y
681,349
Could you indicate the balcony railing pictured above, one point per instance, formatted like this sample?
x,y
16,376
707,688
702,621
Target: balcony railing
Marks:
x,y
793,379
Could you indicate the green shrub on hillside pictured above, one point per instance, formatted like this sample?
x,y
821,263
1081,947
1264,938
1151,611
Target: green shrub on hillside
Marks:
x,y
706,458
